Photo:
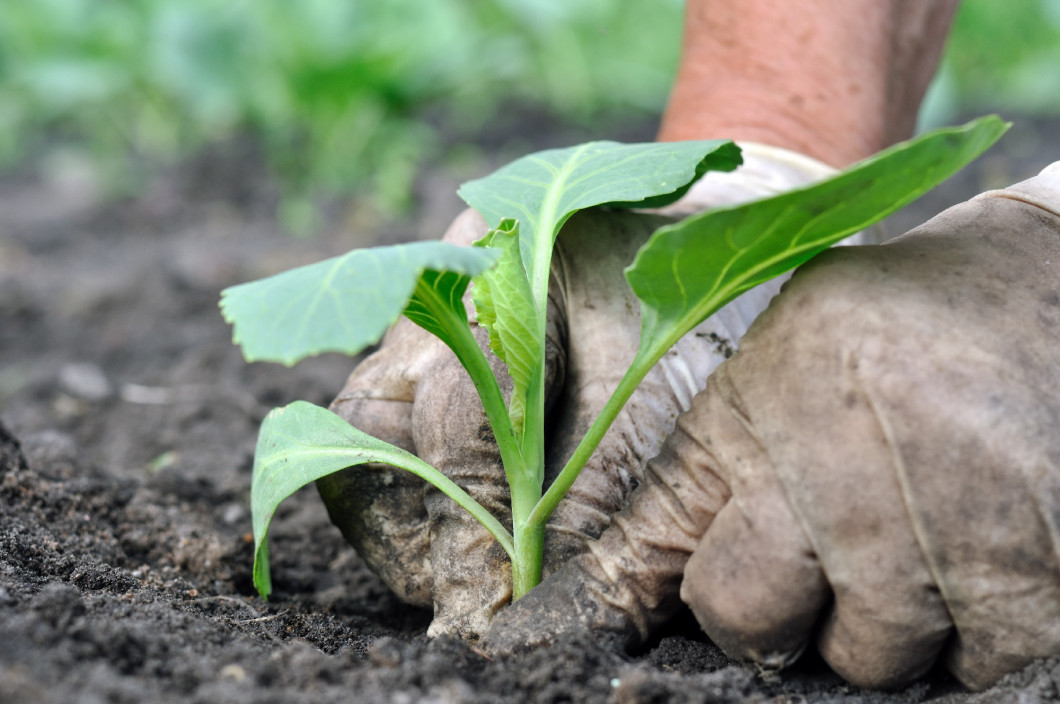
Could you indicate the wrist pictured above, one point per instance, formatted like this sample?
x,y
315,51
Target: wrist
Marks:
x,y
837,80
766,171
777,119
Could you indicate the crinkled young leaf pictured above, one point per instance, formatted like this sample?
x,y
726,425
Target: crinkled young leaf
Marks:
x,y
504,305
301,443
688,270
542,190
436,303
342,304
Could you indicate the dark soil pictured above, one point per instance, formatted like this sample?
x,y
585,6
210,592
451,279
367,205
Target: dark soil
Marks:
x,y
129,422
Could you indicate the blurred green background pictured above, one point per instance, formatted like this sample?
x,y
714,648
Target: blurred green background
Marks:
x,y
353,96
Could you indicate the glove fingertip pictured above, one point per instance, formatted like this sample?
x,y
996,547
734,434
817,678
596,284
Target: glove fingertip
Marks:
x,y
754,588
557,610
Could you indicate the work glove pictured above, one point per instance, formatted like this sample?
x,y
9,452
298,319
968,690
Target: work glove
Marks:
x,y
876,471
414,394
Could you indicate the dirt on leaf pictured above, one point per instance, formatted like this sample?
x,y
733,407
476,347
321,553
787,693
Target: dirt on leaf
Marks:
x,y
127,428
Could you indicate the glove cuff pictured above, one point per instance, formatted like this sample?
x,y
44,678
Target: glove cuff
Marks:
x,y
766,171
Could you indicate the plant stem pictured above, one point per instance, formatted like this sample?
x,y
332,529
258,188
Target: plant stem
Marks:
x,y
474,361
526,492
528,557
408,461
641,365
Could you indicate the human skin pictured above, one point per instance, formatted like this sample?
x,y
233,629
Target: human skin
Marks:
x,y
837,80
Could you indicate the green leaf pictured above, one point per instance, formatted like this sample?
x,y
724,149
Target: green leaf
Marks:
x,y
436,303
301,443
505,307
542,190
688,270
341,304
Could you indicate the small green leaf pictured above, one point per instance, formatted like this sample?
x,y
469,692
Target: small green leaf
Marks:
x,y
436,304
301,443
542,190
505,307
688,270
341,304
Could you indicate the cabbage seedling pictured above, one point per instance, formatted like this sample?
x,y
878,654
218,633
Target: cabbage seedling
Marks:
x,y
346,303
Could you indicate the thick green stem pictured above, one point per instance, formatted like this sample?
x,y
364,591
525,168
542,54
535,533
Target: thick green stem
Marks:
x,y
529,554
526,492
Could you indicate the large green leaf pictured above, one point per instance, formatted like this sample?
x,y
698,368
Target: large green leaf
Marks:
x,y
688,270
505,307
301,443
542,190
345,303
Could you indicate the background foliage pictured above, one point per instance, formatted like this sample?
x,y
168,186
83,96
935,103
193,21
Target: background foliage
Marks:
x,y
351,95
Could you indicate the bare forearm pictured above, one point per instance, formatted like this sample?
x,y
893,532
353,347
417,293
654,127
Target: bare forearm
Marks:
x,y
834,79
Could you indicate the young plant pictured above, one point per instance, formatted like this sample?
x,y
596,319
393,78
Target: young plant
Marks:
x,y
346,303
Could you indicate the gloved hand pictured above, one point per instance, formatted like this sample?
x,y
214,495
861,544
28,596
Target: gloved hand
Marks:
x,y
413,393
876,470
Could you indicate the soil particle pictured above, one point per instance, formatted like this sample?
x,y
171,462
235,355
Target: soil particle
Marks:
x,y
128,426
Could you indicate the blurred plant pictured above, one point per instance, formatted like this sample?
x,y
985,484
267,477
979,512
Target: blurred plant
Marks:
x,y
355,96
335,90
1006,54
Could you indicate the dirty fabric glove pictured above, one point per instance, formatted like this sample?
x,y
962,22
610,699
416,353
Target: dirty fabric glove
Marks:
x,y
876,471
413,393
